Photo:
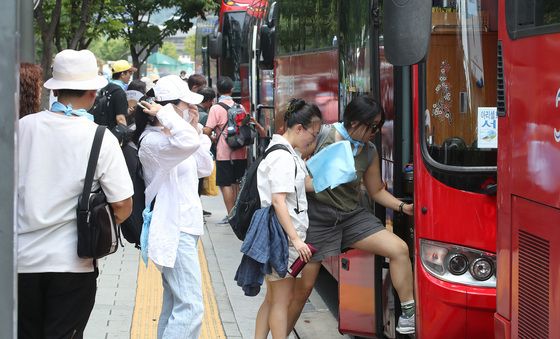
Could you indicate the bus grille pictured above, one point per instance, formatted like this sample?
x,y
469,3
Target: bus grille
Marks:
x,y
533,286
501,89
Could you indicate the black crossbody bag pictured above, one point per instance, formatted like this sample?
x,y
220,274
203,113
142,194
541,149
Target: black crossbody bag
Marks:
x,y
98,233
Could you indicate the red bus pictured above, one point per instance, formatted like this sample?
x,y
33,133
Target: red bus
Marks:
x,y
528,293
225,44
436,148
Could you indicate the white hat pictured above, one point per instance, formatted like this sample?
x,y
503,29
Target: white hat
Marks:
x,y
171,87
75,70
149,83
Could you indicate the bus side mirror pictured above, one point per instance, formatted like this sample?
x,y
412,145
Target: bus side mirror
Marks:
x,y
267,47
215,45
406,30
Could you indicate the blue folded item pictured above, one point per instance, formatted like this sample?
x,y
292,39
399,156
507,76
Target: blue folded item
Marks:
x,y
147,215
332,166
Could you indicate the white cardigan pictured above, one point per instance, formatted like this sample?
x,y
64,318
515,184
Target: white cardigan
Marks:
x,y
172,163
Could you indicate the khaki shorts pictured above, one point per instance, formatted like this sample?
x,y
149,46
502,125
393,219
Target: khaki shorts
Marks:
x,y
333,231
292,256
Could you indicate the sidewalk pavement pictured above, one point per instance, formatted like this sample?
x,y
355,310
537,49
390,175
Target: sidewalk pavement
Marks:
x,y
116,292
113,312
237,311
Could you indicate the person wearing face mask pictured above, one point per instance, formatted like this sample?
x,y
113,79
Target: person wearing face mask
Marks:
x,y
174,154
337,221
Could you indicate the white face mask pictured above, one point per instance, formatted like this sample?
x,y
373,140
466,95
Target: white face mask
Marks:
x,y
187,116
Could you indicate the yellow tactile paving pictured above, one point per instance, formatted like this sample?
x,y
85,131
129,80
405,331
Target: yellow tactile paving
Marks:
x,y
149,299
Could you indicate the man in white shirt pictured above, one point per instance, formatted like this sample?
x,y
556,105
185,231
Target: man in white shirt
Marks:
x,y
56,288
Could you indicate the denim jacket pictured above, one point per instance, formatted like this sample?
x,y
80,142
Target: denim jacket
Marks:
x,y
265,248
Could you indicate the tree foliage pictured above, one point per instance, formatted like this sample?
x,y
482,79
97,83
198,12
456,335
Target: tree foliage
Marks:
x,y
169,49
144,37
62,24
190,42
112,49
73,24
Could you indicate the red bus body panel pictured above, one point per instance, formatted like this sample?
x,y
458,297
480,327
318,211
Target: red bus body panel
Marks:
x,y
451,216
312,77
528,296
356,292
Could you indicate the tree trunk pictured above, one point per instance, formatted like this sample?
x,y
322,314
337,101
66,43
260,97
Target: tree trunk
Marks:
x,y
81,28
47,33
135,61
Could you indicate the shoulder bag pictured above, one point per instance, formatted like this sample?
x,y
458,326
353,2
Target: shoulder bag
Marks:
x,y
98,233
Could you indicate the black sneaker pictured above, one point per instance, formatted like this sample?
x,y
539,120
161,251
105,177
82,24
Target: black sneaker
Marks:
x,y
206,213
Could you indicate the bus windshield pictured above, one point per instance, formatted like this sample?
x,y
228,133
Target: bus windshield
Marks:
x,y
460,121
232,29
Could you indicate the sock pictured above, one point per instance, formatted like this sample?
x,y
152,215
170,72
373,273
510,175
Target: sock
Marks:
x,y
408,308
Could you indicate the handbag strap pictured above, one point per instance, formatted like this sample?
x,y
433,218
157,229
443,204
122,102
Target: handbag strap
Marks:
x,y
92,165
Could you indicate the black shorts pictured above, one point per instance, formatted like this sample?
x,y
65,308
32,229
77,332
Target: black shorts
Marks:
x,y
229,172
333,231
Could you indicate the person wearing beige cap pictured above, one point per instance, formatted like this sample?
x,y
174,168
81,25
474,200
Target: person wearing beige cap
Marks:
x,y
174,154
111,106
56,288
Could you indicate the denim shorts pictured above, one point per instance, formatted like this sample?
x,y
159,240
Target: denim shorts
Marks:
x,y
333,231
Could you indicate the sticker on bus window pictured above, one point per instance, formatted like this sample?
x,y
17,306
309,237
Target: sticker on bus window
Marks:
x,y
487,127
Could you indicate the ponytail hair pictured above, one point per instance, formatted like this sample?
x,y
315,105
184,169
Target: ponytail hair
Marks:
x,y
141,120
301,112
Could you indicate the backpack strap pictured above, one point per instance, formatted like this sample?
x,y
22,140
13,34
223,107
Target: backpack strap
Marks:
x,y
226,107
283,147
92,165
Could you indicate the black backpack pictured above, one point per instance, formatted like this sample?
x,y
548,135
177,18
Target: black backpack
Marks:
x,y
101,107
248,199
131,228
238,130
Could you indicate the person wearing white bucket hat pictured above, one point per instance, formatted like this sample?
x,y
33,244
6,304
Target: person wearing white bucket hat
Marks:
x,y
174,154
56,288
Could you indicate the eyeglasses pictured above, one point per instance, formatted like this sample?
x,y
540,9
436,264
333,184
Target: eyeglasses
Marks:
x,y
375,127
314,135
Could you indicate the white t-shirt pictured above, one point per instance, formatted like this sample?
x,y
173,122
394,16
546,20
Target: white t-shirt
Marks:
x,y
53,155
276,174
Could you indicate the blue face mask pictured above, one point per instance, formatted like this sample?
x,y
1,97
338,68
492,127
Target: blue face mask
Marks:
x,y
68,111
344,133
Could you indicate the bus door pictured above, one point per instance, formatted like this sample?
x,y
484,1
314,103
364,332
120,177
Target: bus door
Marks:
x,y
367,304
528,297
455,172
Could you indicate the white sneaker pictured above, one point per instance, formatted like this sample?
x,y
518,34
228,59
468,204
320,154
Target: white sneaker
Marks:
x,y
406,325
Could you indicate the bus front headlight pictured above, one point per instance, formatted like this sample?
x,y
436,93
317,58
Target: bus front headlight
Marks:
x,y
458,264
